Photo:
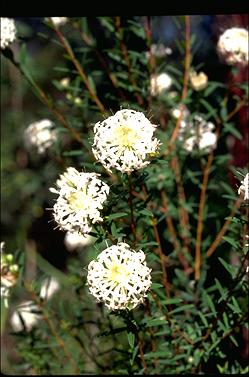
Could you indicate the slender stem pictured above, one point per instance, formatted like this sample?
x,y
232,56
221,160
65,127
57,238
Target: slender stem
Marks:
x,y
163,258
183,214
133,224
127,60
90,43
200,216
185,79
58,338
79,68
224,228
173,233
45,99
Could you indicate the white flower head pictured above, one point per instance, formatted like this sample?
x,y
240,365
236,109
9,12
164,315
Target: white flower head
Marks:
x,y
233,46
59,21
74,240
40,135
244,188
119,277
197,135
30,317
80,200
198,81
8,32
49,287
124,141
159,83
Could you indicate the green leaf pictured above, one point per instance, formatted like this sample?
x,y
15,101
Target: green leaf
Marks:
x,y
209,302
146,212
156,322
182,308
228,267
131,339
228,127
117,215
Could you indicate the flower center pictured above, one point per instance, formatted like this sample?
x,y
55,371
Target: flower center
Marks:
x,y
118,273
78,201
125,136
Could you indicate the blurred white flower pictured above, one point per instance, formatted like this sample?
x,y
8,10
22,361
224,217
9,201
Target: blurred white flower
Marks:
x,y
124,141
244,188
25,317
40,135
65,82
197,135
119,277
176,112
233,46
74,240
158,50
159,83
9,275
49,287
8,32
58,21
198,81
81,197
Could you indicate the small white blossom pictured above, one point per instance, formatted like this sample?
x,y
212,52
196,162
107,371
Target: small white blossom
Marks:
x,y
160,83
124,141
30,317
74,240
119,277
197,135
49,287
233,46
65,82
8,32
244,188
81,198
40,135
58,21
176,112
198,81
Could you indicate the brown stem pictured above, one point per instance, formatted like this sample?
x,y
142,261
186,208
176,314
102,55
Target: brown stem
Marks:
x,y
183,214
79,68
127,60
50,105
185,79
173,233
50,324
224,228
163,258
90,43
133,224
141,351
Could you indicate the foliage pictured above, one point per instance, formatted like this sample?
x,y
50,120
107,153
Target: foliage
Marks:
x,y
181,209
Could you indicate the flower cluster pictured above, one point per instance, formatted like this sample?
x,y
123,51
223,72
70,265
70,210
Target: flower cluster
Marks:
x,y
40,135
8,32
9,275
158,50
81,197
244,187
197,134
233,46
119,277
159,83
58,21
124,141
